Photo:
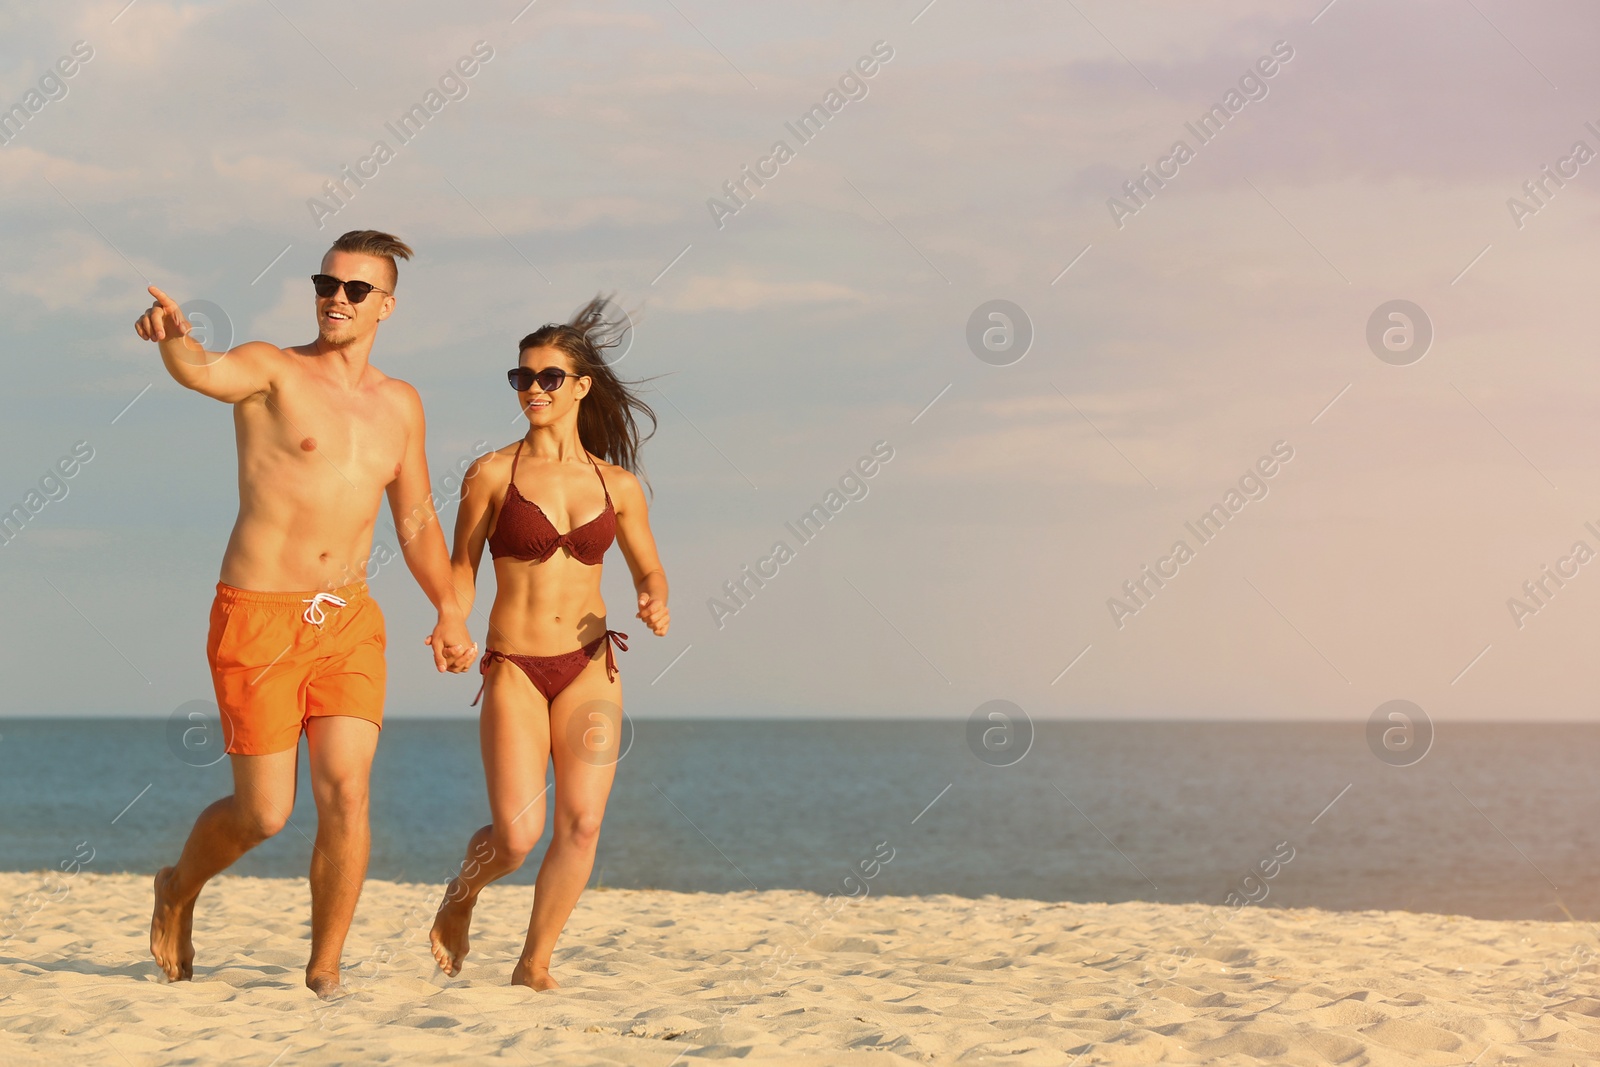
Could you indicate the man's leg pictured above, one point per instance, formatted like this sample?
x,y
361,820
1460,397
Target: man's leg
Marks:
x,y
263,797
342,747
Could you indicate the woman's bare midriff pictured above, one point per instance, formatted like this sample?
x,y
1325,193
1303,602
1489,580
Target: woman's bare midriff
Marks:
x,y
545,609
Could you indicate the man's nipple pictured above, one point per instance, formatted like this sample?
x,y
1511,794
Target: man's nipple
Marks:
x,y
308,445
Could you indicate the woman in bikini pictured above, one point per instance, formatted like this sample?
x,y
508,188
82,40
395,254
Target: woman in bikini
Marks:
x,y
547,692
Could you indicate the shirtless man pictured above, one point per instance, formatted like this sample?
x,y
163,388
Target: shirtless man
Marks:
x,y
296,642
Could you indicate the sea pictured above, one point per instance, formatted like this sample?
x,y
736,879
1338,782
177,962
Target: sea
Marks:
x,y
1493,820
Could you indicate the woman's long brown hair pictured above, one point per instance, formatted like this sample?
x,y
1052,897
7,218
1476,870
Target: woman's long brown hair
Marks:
x,y
608,417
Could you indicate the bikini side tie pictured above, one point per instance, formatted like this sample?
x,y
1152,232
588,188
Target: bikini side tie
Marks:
x,y
621,641
610,637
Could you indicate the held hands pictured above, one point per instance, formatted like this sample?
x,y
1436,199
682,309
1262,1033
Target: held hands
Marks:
x,y
654,613
453,647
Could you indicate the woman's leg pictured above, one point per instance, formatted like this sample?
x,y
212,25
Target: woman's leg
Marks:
x,y
514,733
585,735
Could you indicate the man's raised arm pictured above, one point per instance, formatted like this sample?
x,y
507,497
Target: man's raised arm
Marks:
x,y
228,376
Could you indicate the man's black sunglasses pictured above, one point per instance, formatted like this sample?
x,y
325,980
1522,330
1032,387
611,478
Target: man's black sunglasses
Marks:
x,y
549,379
327,285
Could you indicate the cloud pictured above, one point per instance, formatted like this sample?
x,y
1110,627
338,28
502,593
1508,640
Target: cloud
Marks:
x,y
740,292
71,271
1192,338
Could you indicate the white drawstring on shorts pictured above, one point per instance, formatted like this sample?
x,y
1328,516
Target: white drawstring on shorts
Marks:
x,y
314,614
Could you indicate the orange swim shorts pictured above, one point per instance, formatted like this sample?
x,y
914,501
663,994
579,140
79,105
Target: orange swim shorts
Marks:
x,y
280,659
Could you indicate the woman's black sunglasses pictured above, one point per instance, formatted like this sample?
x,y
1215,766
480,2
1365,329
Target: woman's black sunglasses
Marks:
x,y
327,285
549,379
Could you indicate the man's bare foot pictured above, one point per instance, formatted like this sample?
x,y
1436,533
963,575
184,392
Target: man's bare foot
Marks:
x,y
533,977
325,986
171,931
450,929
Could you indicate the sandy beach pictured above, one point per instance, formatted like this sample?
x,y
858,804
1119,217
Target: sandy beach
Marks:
x,y
779,977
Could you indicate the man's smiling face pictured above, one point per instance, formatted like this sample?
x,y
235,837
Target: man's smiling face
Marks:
x,y
339,321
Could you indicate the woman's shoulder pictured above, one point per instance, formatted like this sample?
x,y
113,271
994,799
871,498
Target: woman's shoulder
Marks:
x,y
617,478
494,465
610,470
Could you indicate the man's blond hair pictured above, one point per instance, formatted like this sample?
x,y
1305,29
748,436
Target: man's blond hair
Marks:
x,y
385,246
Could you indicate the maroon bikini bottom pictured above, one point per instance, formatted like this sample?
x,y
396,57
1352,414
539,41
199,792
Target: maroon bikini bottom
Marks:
x,y
551,674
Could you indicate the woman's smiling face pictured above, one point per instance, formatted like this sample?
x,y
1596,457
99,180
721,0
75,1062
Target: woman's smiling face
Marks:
x,y
547,408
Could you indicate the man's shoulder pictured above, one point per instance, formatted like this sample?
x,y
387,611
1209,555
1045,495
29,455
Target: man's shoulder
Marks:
x,y
260,348
263,354
397,391
254,369
297,354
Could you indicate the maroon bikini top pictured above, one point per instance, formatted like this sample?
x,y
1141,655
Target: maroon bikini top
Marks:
x,y
524,531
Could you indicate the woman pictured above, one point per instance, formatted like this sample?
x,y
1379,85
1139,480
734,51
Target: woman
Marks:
x,y
547,690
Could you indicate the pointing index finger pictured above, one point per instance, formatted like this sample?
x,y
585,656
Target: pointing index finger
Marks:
x,y
166,302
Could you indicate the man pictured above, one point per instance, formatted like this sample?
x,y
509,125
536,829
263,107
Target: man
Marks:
x,y
321,435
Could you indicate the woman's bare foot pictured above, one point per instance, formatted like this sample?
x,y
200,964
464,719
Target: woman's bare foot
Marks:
x,y
450,929
533,977
325,986
171,931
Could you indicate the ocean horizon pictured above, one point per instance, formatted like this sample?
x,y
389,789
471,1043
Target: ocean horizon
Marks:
x,y
1496,821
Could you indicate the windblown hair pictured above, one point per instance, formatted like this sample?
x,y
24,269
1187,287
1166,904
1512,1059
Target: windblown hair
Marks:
x,y
608,417
375,243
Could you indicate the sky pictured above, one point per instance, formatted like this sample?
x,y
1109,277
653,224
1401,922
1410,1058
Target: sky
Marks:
x,y
1160,346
